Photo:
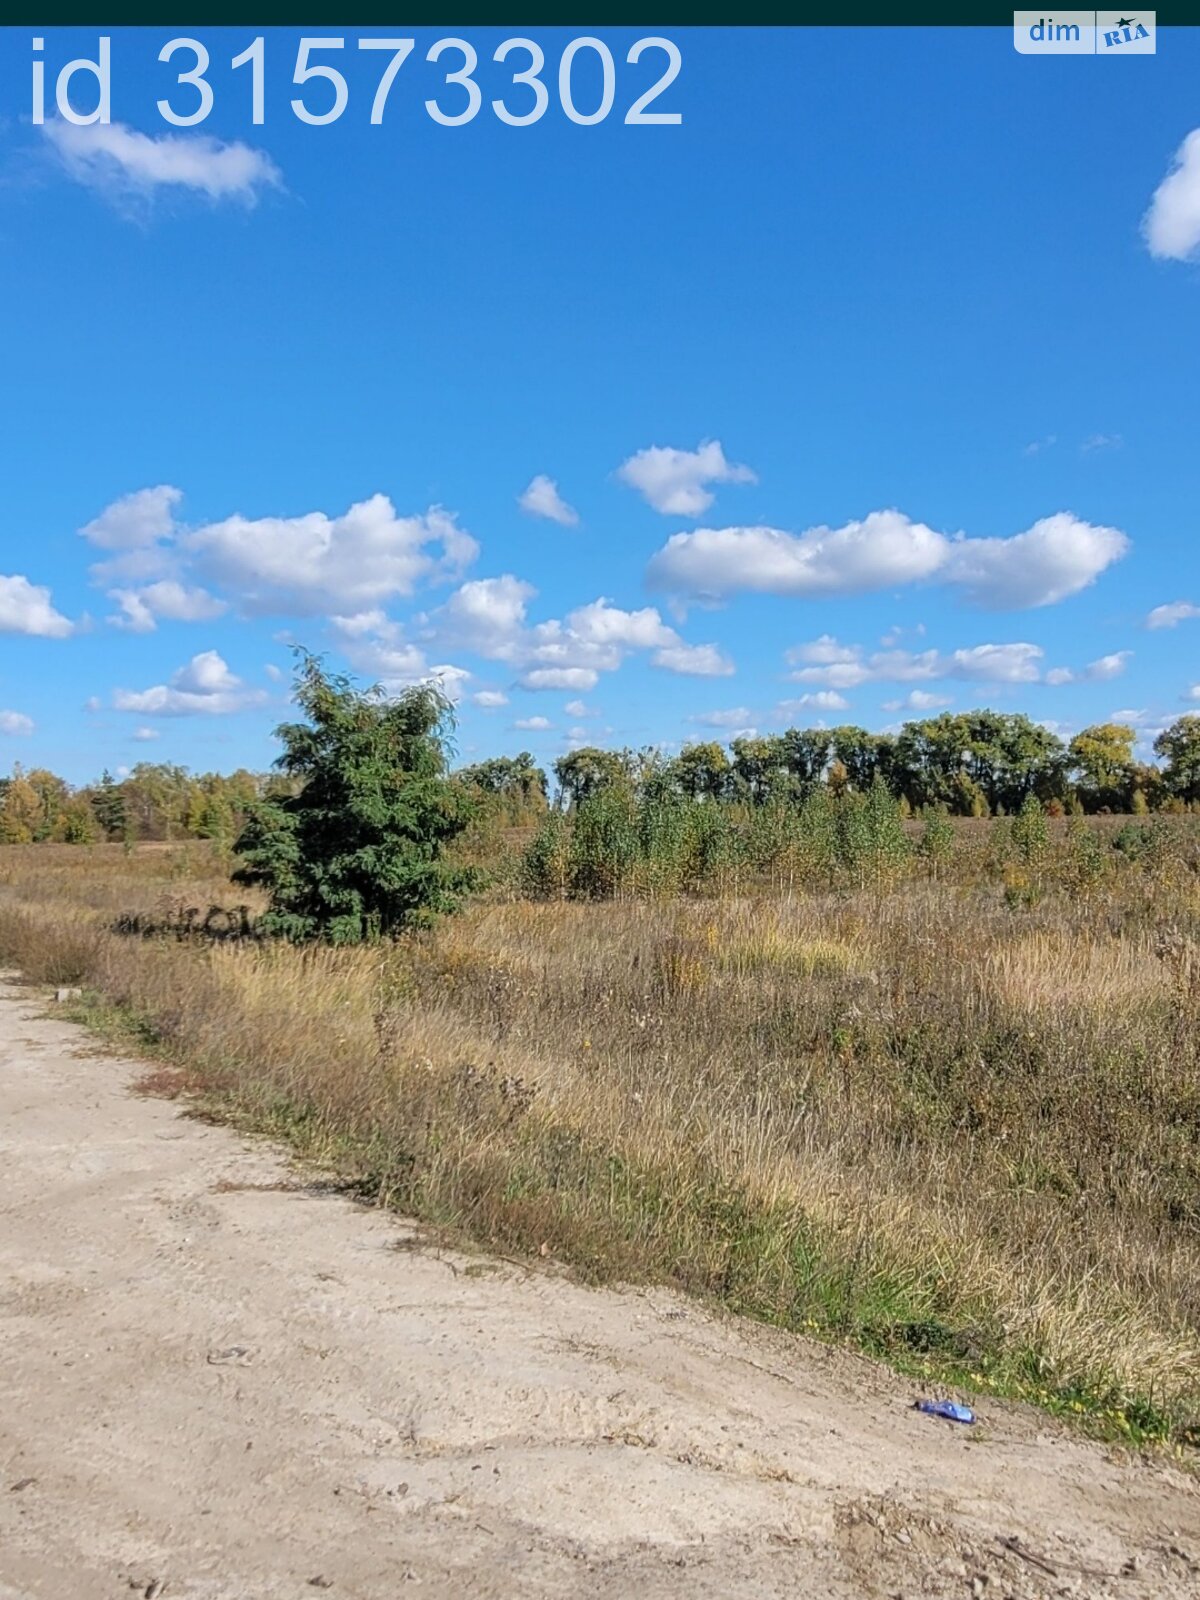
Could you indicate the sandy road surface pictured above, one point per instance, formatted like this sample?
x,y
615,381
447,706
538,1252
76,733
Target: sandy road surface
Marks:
x,y
236,1390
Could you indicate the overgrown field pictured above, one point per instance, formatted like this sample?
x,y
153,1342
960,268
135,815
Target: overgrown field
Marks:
x,y
948,1110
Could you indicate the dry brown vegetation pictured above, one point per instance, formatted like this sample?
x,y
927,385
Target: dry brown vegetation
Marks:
x,y
955,1118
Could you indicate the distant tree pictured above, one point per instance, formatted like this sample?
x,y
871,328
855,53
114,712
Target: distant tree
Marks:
x,y
1101,757
930,761
1179,746
859,754
581,773
108,807
21,810
1011,757
805,754
77,823
976,761
156,797
760,767
701,771
517,783
52,794
356,852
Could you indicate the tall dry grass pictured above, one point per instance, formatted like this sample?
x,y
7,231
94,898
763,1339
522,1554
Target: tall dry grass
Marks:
x,y
960,1129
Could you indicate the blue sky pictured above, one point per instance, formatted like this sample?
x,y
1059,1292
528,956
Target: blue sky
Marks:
x,y
871,387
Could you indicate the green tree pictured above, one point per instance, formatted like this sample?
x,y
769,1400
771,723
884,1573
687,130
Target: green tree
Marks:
x,y
21,811
156,796
805,753
76,823
760,767
859,754
701,771
1101,757
975,761
53,794
356,852
585,771
108,807
515,784
1030,835
930,758
1179,746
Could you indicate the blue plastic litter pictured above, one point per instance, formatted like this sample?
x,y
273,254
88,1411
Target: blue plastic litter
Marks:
x,y
945,1408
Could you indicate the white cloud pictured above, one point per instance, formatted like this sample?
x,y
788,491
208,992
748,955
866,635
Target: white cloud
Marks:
x,y
1171,226
542,499
533,724
1193,693
137,519
735,717
711,563
1055,558
122,163
1036,446
274,673
835,666
577,708
604,624
308,565
1149,725
1174,612
167,599
315,564
674,481
918,700
490,699
15,723
25,608
824,652
205,687
694,660
450,679
375,645
145,735
995,663
1101,441
818,700
394,661
1110,666
489,617
560,678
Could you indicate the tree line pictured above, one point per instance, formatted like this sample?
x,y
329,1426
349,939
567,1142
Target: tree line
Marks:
x,y
968,764
971,764
155,801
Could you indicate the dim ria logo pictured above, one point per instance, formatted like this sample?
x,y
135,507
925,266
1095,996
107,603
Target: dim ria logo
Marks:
x,y
1084,33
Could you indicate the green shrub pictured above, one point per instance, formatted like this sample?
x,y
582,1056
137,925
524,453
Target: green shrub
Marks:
x,y
355,852
605,842
936,846
1030,834
546,865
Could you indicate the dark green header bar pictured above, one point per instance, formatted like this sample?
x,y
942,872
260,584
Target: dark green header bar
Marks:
x,y
615,14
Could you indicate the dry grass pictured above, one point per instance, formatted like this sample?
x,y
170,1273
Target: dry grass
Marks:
x,y
960,1132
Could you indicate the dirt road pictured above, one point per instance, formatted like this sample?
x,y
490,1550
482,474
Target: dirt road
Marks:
x,y
216,1380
